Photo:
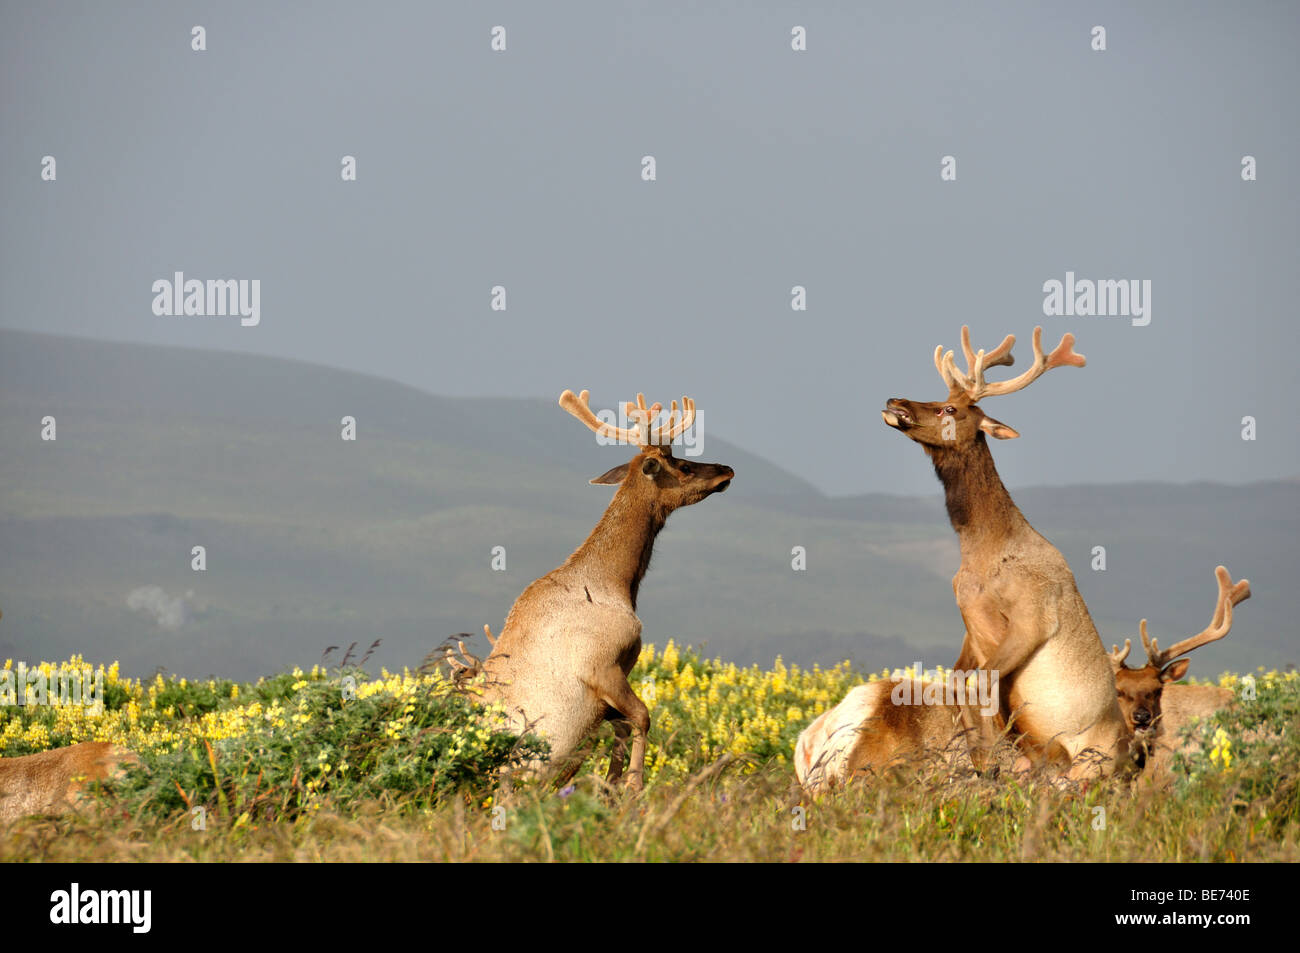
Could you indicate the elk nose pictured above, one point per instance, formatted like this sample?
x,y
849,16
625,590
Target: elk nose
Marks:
x,y
896,412
1141,717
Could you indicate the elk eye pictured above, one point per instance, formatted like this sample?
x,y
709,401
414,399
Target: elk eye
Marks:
x,y
950,409
685,468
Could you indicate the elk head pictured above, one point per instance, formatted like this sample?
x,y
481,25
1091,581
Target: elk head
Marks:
x,y
958,421
654,474
1140,689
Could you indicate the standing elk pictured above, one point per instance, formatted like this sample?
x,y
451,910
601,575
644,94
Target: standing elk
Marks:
x,y
52,782
1023,613
560,664
1157,711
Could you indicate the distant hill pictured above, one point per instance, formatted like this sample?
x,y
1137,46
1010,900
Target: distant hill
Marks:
x,y
312,541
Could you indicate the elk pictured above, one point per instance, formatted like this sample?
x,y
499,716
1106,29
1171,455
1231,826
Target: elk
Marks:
x,y
1023,613
1155,710
52,782
869,732
560,664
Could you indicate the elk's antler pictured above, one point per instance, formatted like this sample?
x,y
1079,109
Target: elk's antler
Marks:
x,y
641,416
577,405
467,666
975,362
972,383
1220,625
675,426
1118,655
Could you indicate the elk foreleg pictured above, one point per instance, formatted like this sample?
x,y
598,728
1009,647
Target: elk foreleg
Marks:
x,y
1001,644
615,692
981,733
1008,640
967,660
618,757
1014,651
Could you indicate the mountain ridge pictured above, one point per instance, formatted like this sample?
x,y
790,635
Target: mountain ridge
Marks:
x,y
312,540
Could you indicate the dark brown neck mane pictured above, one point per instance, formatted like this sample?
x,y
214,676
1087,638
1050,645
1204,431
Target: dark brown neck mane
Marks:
x,y
979,506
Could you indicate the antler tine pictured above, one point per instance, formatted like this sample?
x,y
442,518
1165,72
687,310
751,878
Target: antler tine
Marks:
x,y
487,633
674,428
966,348
1150,644
639,409
962,381
1061,356
468,662
1000,355
577,405
672,415
642,416
1220,624
941,364
977,362
1117,656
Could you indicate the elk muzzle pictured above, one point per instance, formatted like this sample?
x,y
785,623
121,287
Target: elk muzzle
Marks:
x,y
722,479
897,414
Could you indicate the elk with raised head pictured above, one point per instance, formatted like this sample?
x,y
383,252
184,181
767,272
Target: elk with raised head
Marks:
x,y
1023,613
1155,710
53,782
560,664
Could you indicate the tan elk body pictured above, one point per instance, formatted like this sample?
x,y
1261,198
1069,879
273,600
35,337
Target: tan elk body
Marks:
x,y
561,662
51,782
1023,613
868,733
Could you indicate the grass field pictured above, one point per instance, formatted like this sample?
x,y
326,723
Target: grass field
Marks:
x,y
336,765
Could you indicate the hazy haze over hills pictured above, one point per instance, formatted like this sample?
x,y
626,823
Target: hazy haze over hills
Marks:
x,y
313,541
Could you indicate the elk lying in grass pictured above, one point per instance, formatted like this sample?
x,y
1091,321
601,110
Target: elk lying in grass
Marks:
x,y
561,662
52,782
869,732
1024,616
1157,711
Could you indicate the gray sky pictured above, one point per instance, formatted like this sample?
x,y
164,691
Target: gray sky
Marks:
x,y
775,169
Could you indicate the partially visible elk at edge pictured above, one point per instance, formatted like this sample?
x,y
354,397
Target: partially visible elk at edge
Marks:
x,y
53,782
1156,710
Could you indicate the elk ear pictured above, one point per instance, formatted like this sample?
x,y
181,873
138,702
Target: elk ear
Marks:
x,y
1174,671
651,466
996,428
612,477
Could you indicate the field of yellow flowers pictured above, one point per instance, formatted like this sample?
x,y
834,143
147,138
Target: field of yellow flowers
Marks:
x,y
701,708
309,764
